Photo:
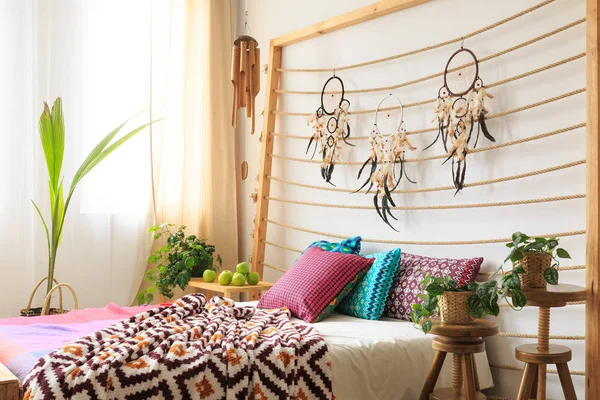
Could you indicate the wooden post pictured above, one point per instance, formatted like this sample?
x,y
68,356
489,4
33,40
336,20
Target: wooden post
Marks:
x,y
592,351
266,161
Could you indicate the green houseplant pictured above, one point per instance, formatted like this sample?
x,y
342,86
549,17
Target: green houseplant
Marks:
x,y
538,257
180,259
468,301
52,136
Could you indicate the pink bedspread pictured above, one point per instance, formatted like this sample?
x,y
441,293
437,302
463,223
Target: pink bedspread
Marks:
x,y
25,340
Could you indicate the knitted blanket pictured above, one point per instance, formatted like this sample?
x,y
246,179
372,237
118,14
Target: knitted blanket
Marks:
x,y
190,350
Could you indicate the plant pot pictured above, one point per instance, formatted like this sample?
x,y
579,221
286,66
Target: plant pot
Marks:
x,y
454,308
45,309
534,265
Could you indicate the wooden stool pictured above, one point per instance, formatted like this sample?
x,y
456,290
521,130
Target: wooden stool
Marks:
x,y
463,341
538,356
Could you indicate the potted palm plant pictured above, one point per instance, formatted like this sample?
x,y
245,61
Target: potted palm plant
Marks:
x,y
459,305
538,257
52,137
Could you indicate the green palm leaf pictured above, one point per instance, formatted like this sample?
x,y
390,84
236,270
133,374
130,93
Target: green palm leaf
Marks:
x,y
52,137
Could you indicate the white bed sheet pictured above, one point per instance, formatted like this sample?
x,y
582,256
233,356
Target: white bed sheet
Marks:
x,y
383,360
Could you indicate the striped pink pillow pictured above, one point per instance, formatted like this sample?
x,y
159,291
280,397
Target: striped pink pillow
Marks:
x,y
314,281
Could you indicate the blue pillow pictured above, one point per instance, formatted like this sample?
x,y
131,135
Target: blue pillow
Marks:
x,y
369,297
348,246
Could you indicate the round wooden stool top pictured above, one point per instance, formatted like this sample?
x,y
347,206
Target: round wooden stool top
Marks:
x,y
478,328
555,295
555,354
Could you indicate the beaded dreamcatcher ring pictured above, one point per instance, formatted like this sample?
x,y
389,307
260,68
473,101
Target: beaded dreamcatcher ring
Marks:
x,y
330,129
387,150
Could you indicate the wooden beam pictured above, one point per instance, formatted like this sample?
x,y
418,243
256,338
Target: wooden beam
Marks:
x,y
266,161
592,351
10,387
372,11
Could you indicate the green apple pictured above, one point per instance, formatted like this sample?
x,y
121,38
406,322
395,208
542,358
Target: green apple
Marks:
x,y
253,278
243,268
238,279
209,275
225,278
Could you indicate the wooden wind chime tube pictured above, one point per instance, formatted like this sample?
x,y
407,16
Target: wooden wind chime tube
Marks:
x,y
245,77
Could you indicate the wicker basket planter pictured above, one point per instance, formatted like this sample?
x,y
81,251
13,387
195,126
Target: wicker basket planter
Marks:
x,y
534,265
454,308
45,309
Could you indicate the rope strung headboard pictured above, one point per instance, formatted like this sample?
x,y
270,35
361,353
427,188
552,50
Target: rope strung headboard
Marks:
x,y
274,131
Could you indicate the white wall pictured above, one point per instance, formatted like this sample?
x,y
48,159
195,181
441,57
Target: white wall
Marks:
x,y
411,29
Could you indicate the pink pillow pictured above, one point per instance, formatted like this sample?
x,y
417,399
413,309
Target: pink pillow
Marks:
x,y
413,269
314,281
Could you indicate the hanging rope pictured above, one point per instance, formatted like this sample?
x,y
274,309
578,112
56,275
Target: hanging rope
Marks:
x,y
435,46
273,267
434,207
444,156
565,268
279,246
404,84
438,188
491,116
550,371
532,336
413,242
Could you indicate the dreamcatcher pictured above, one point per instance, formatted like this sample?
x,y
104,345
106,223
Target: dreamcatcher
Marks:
x,y
387,150
331,127
460,107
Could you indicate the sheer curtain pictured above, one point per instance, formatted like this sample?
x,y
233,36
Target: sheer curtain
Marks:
x,y
108,60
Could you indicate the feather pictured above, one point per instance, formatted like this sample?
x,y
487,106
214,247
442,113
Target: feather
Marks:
x,y
387,192
312,138
347,136
484,128
363,167
440,130
376,203
369,189
477,138
386,207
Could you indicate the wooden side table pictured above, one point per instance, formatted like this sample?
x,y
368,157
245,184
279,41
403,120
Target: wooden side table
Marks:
x,y
211,288
538,356
463,341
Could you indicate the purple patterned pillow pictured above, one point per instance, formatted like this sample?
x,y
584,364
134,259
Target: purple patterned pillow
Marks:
x,y
413,269
313,282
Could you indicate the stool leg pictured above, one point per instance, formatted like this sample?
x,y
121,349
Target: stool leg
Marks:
x,y
566,382
457,377
541,382
534,388
475,376
433,375
527,381
469,376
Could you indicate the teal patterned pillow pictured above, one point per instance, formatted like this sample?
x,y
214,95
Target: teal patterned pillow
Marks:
x,y
348,246
369,297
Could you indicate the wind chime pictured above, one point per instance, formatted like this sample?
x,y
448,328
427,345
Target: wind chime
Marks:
x,y
245,75
460,107
387,150
330,129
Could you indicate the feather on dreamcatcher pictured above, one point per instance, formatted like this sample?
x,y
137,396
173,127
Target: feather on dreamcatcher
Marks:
x,y
330,129
460,110
387,150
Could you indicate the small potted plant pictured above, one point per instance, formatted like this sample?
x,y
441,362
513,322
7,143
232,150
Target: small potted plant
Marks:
x,y
459,305
179,260
538,257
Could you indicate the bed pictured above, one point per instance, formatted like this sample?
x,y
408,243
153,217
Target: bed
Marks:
x,y
385,359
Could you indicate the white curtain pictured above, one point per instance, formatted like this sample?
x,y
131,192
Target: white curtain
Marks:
x,y
109,60
96,55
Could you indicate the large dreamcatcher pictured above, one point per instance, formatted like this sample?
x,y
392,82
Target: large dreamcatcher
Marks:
x,y
460,110
331,128
387,150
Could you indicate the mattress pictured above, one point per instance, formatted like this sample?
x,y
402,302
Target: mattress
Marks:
x,y
384,359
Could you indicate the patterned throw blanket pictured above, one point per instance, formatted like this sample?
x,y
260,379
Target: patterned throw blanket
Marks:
x,y
190,350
